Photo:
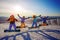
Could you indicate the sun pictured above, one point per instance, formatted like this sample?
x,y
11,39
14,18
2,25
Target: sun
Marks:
x,y
17,9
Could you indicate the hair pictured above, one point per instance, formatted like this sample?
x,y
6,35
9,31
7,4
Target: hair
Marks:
x,y
12,16
23,16
34,16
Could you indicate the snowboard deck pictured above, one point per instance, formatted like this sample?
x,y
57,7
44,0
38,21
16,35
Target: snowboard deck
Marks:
x,y
34,27
11,30
21,27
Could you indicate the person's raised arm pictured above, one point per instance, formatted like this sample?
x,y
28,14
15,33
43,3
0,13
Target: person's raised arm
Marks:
x,y
29,17
40,16
26,18
19,16
47,17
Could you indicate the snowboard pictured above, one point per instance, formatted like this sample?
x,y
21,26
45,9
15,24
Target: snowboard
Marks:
x,y
11,30
20,27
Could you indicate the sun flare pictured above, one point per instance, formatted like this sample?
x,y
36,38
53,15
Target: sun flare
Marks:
x,y
21,11
17,9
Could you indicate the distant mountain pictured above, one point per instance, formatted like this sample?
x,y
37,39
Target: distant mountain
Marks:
x,y
3,19
54,17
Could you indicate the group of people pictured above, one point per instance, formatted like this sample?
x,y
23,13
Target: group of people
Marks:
x,y
12,20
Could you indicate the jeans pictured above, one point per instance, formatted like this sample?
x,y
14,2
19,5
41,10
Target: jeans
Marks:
x,y
34,23
12,25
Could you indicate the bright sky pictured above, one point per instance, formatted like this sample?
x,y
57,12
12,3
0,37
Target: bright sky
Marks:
x,y
30,7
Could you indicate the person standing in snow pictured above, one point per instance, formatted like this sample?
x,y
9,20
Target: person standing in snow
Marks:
x,y
12,20
34,23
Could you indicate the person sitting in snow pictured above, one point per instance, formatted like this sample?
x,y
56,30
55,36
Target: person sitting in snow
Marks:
x,y
22,21
44,20
12,20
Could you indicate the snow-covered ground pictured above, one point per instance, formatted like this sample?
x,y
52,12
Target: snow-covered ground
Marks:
x,y
50,32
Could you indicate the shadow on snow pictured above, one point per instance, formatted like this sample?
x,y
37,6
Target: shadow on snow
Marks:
x,y
27,36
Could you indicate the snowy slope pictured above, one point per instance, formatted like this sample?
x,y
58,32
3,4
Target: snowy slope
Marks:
x,y
50,32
